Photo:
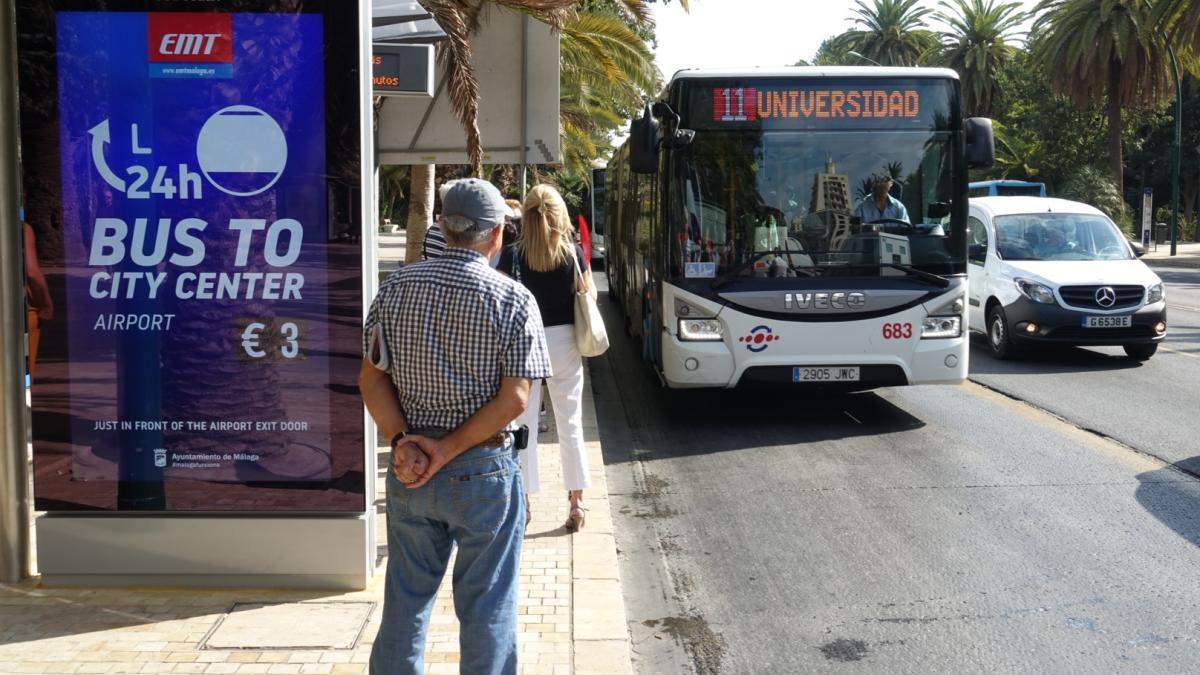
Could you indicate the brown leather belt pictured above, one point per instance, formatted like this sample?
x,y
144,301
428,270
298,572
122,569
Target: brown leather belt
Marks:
x,y
495,441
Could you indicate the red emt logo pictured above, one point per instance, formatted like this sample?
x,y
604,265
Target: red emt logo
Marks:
x,y
759,339
190,37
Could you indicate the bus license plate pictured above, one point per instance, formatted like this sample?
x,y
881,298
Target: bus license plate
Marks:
x,y
1107,321
825,374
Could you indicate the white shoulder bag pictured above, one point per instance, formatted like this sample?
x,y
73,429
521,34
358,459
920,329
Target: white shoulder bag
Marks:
x,y
590,335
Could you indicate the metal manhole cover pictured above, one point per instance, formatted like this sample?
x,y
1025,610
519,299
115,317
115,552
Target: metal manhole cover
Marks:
x,y
292,625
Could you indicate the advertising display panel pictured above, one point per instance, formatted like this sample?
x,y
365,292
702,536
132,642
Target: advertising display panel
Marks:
x,y
191,179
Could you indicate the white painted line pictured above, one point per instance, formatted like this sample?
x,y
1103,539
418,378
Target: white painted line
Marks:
x,y
1185,308
1176,351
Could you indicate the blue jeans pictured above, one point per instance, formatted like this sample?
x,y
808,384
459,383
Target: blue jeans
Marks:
x,y
476,502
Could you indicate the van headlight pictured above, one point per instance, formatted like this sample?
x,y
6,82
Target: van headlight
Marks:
x,y
1155,294
1035,291
701,330
941,327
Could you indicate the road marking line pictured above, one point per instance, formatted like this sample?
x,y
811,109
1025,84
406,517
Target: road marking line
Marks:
x,y
1184,308
1176,351
1138,460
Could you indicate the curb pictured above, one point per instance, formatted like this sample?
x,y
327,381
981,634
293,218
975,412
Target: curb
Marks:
x,y
1188,262
600,630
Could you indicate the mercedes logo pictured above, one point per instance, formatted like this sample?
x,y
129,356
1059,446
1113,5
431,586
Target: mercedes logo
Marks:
x,y
1106,296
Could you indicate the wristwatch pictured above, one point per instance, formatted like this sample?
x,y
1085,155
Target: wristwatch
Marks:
x,y
400,435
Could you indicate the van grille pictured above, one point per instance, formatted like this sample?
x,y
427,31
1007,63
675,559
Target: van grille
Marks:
x,y
1084,297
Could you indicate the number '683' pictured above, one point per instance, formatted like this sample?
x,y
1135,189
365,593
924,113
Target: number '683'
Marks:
x,y
897,331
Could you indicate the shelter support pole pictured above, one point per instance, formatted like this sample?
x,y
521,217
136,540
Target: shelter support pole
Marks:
x,y
524,104
15,560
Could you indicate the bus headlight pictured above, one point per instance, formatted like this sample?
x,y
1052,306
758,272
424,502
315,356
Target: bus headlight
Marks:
x,y
701,330
1155,294
941,327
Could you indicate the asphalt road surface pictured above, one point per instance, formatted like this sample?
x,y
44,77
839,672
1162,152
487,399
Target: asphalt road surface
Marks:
x,y
1152,406
914,530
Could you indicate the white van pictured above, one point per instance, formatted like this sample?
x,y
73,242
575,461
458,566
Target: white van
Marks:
x,y
1055,271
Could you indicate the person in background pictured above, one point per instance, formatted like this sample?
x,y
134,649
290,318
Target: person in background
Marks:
x,y
446,387
435,242
39,306
546,259
585,239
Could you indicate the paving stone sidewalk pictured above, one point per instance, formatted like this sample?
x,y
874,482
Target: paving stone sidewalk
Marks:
x,y
572,615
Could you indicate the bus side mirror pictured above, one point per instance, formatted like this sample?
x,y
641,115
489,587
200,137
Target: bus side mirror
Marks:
x,y
643,144
981,143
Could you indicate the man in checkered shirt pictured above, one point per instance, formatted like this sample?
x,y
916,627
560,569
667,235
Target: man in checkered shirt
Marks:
x,y
451,347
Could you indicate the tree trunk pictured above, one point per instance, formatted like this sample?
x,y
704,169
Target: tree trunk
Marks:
x,y
420,210
1116,164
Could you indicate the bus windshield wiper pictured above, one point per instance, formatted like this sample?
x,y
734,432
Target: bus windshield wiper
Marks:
x,y
935,279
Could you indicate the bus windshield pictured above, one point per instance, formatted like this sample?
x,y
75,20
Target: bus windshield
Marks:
x,y
785,203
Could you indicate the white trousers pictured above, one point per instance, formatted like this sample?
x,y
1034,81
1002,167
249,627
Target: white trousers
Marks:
x,y
565,387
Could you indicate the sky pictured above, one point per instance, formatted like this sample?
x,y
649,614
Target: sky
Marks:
x,y
749,33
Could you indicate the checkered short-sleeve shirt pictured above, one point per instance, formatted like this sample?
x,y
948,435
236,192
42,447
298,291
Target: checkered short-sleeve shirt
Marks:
x,y
453,327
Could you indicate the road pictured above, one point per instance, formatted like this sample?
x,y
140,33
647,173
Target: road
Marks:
x,y
1152,406
926,529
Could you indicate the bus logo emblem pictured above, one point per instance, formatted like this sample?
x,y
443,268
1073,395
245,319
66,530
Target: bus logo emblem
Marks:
x,y
825,300
759,339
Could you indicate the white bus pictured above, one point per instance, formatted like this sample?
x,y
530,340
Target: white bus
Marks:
x,y
741,246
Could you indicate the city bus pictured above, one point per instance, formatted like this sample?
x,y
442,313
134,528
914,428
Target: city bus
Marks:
x,y
741,247
1006,188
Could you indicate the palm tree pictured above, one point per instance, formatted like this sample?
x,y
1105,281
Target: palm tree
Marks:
x,y
1016,153
893,32
606,72
1093,48
977,45
1181,19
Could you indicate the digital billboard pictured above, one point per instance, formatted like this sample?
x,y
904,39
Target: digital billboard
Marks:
x,y
191,181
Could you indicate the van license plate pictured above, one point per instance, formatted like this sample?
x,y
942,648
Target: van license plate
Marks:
x,y
1107,321
825,374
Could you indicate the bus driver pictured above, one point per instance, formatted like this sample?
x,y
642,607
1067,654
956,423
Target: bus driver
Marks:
x,y
881,205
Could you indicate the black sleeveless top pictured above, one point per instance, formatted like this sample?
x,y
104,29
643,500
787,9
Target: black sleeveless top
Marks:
x,y
553,290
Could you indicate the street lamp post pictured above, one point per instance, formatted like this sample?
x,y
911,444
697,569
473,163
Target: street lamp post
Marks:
x,y
1176,149
864,58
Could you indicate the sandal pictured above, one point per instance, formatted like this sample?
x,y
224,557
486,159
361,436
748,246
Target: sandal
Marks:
x,y
576,517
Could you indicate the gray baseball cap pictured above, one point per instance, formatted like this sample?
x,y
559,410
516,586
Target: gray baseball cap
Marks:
x,y
477,200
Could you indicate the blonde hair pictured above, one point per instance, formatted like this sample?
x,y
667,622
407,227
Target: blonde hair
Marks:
x,y
546,239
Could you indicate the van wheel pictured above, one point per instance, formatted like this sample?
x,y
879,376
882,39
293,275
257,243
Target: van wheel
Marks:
x,y
998,337
1140,352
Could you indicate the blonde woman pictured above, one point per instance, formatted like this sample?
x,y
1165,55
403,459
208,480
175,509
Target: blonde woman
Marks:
x,y
545,259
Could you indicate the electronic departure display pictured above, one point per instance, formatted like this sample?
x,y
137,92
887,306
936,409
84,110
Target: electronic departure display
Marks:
x,y
746,104
821,103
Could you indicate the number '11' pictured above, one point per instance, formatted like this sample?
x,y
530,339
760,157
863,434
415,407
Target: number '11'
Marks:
x,y
740,115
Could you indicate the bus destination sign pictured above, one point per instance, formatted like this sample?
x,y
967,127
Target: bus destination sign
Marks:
x,y
753,104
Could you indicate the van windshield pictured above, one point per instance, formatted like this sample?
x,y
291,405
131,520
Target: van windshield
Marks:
x,y
1060,236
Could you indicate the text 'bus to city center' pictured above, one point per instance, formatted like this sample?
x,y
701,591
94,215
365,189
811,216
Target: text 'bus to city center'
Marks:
x,y
803,225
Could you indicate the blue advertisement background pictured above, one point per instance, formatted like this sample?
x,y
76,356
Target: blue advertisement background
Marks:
x,y
169,417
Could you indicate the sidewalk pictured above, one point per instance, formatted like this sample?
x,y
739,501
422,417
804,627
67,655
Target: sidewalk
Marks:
x,y
1187,254
572,613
